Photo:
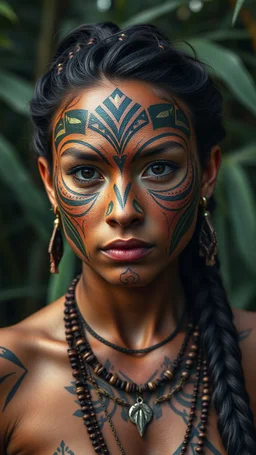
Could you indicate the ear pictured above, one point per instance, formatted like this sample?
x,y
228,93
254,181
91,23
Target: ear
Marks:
x,y
210,172
47,179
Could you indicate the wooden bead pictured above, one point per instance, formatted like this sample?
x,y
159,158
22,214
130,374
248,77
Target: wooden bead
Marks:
x,y
202,435
86,355
79,342
72,352
128,387
76,373
185,374
151,385
79,389
113,379
75,328
192,355
168,374
206,398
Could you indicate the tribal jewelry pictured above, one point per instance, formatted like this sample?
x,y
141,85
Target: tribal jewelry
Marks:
x,y
75,340
140,413
89,357
132,351
124,403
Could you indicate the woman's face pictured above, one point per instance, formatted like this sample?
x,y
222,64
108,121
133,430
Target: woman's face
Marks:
x,y
126,166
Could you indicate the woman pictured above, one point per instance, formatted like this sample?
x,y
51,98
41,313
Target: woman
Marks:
x,y
147,359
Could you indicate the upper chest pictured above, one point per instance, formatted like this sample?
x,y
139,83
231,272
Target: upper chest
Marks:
x,y
49,419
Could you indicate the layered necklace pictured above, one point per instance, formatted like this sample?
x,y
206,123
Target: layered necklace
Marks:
x,y
86,366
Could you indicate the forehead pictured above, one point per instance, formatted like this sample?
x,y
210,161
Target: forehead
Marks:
x,y
120,114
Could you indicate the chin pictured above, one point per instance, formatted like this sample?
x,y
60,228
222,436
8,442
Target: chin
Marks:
x,y
130,276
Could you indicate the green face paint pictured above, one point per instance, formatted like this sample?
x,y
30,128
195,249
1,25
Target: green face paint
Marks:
x,y
116,134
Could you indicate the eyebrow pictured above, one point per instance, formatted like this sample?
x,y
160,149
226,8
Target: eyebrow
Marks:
x,y
162,148
156,150
75,153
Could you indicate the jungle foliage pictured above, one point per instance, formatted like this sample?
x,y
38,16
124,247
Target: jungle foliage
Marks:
x,y
223,33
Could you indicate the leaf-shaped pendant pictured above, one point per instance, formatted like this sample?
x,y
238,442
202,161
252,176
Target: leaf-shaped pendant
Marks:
x,y
140,414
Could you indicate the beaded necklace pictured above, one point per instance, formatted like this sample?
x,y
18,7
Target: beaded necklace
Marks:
x,y
78,347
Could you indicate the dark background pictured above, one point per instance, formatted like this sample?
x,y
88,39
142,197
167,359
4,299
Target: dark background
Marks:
x,y
29,31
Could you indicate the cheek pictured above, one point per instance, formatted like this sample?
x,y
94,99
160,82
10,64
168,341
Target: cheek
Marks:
x,y
178,208
77,215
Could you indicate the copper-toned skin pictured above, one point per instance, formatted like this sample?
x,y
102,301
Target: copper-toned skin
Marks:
x,y
133,304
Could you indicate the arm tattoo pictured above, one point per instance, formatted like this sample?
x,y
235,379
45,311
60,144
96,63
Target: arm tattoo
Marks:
x,y
11,357
243,335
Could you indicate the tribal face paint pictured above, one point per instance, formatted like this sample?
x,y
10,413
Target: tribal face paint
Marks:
x,y
125,166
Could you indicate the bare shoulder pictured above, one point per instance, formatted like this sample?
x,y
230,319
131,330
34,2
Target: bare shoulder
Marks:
x,y
245,322
24,347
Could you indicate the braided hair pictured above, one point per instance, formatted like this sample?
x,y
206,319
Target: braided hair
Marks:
x,y
83,59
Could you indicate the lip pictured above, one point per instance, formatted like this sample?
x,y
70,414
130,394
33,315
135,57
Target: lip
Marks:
x,y
120,244
126,255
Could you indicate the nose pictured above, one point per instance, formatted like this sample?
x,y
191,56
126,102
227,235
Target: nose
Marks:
x,y
123,208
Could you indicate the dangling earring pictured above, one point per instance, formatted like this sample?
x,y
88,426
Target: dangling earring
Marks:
x,y
207,237
55,248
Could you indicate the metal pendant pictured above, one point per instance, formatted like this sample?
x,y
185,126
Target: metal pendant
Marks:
x,y
140,414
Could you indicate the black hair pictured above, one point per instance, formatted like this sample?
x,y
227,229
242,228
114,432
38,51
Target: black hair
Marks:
x,y
146,54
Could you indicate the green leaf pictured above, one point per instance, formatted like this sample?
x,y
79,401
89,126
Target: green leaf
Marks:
x,y
241,211
245,155
151,14
243,294
219,35
15,91
229,67
248,57
239,4
21,293
5,43
59,283
14,175
7,11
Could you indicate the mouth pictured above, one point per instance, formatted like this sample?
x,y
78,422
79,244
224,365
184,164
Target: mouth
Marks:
x,y
127,250
129,254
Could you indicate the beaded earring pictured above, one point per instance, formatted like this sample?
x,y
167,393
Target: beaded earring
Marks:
x,y
122,37
55,248
207,237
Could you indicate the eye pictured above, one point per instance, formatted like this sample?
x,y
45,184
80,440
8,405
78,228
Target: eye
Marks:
x,y
162,169
84,174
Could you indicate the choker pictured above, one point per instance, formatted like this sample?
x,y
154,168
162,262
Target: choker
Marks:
x,y
127,350
84,363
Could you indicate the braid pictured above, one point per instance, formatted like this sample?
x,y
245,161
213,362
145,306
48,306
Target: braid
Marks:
x,y
144,53
219,341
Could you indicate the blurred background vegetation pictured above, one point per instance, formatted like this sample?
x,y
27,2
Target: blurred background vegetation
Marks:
x,y
223,33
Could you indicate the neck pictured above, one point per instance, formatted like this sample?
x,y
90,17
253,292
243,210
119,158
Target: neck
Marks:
x,y
133,317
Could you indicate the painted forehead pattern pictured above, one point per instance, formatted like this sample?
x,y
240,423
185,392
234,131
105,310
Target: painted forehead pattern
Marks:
x,y
129,117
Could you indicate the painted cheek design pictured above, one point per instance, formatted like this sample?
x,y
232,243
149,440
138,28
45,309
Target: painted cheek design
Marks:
x,y
117,120
73,208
